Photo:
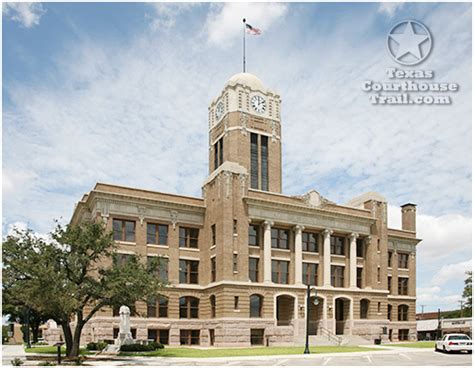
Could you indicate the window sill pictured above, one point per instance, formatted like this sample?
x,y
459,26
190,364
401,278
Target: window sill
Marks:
x,y
311,253
158,246
121,242
211,248
254,246
282,249
191,249
403,269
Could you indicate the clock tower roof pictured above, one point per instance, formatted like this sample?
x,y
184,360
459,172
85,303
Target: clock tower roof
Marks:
x,y
247,79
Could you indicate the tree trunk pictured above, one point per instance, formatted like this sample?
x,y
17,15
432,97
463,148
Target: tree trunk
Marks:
x,y
76,340
35,326
67,337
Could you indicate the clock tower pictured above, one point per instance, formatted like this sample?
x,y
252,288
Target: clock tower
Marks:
x,y
245,129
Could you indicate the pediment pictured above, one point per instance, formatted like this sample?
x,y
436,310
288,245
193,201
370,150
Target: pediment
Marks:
x,y
314,199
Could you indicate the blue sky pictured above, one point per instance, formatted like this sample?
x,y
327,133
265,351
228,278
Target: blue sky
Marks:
x,y
118,93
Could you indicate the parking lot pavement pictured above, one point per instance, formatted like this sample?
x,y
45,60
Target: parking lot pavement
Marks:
x,y
398,357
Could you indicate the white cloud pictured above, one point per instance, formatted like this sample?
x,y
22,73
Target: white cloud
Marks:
x,y
390,9
452,272
433,298
224,21
164,14
27,14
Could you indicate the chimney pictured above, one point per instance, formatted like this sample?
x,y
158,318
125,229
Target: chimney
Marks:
x,y
409,217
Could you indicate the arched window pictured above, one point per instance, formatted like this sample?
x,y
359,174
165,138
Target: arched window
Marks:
x,y
256,302
188,307
403,312
364,309
212,299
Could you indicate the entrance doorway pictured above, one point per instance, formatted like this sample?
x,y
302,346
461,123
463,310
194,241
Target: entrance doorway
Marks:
x,y
285,310
342,314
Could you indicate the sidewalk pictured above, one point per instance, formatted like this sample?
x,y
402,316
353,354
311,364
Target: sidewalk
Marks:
x,y
10,352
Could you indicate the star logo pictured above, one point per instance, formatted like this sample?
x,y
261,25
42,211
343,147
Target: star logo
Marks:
x,y
409,42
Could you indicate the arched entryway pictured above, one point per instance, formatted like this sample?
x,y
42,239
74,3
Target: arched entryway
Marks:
x,y
315,316
285,309
342,315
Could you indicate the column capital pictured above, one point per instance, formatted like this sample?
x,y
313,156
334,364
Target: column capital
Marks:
x,y
368,239
298,228
354,236
327,233
267,224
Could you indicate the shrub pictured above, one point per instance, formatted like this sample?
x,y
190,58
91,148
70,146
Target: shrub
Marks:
x,y
17,362
139,347
41,343
47,364
96,346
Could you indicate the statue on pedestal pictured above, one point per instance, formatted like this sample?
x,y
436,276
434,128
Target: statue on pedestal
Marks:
x,y
124,336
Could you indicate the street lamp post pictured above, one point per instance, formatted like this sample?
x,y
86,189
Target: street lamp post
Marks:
x,y
308,302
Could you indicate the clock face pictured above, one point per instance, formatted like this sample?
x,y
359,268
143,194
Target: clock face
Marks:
x,y
258,104
219,110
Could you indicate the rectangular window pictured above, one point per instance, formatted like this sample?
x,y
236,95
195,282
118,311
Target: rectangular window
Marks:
x,y
221,151
161,336
389,312
389,284
236,302
151,310
189,337
310,242
402,286
159,267
121,259
253,269
337,276
253,160
379,307
359,277
156,234
378,273
389,258
188,271
280,238
403,335
256,336
213,269
310,273
280,271
402,260
188,237
254,239
162,307
264,154
213,234
337,245
218,153
124,230
235,227
235,263
360,248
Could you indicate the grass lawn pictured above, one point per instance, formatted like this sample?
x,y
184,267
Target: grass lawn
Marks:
x,y
223,352
418,344
53,350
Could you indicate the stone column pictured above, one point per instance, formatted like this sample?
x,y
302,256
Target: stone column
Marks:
x,y
327,257
353,261
298,254
267,251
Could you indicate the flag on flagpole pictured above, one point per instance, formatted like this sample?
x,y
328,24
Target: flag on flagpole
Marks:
x,y
252,30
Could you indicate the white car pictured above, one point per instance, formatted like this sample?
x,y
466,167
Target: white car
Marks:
x,y
454,342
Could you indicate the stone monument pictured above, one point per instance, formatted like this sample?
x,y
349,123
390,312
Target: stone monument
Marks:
x,y
124,336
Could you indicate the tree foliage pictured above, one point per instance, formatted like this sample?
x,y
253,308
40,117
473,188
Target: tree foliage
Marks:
x,y
72,276
467,294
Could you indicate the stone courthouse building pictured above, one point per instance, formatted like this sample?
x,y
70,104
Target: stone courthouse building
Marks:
x,y
238,259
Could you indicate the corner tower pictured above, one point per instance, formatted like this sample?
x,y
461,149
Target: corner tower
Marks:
x,y
244,128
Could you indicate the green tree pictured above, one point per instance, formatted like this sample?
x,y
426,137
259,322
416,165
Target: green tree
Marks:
x,y
467,294
25,316
72,276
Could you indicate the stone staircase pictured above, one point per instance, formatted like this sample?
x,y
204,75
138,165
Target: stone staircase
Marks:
x,y
326,338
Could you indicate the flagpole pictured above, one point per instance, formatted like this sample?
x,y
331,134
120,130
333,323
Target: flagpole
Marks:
x,y
243,37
